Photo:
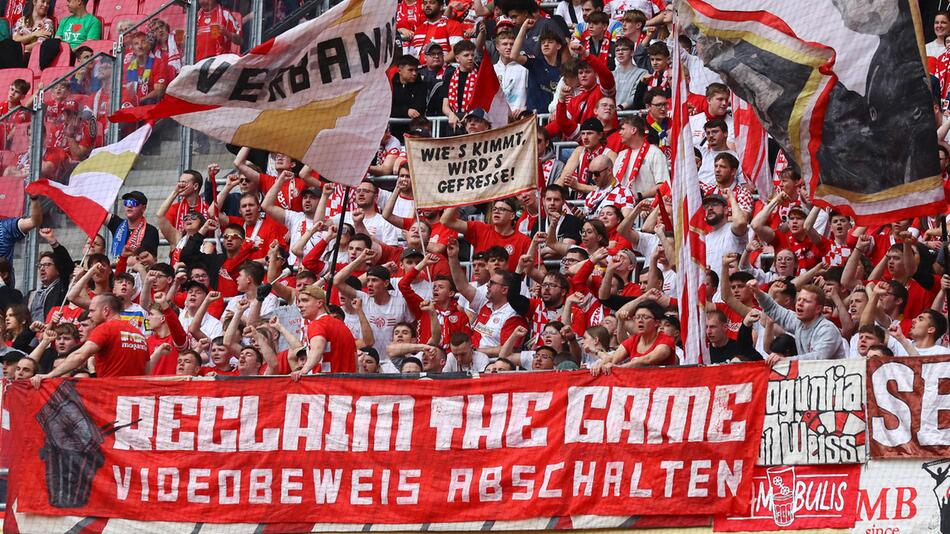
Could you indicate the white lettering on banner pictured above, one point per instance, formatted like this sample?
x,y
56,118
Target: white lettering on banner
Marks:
x,y
647,416
815,414
385,423
699,479
896,430
141,430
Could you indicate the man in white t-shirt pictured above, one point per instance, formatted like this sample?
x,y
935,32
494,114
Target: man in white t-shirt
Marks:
x,y
718,97
640,167
463,356
296,222
925,330
512,76
195,294
384,307
728,235
717,133
367,213
250,277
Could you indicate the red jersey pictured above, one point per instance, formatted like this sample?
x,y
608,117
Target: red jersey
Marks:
x,y
661,339
122,349
289,195
807,252
141,77
408,14
340,350
176,213
483,236
444,31
266,229
210,40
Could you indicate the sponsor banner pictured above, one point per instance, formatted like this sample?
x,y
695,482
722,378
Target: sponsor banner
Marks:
x,y
790,497
636,442
814,414
476,168
904,496
909,406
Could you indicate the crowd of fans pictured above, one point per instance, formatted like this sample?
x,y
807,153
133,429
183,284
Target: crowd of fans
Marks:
x,y
270,272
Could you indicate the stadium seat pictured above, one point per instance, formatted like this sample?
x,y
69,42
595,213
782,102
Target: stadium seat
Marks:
x,y
111,8
100,45
8,75
60,11
7,158
151,6
113,32
19,142
62,60
51,74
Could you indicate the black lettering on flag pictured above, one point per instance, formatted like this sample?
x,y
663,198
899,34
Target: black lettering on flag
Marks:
x,y
332,52
276,87
245,89
369,49
455,167
207,78
298,76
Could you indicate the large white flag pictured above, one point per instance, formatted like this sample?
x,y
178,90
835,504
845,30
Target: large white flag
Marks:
x,y
317,92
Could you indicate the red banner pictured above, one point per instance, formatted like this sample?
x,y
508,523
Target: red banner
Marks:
x,y
909,406
790,497
400,451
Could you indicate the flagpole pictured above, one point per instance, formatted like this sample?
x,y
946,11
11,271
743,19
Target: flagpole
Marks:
x,y
336,245
946,260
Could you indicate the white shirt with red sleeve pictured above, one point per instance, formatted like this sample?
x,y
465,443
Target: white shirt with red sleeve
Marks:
x,y
493,325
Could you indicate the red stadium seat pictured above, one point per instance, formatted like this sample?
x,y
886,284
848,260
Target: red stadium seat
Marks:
x,y
7,158
51,74
100,45
62,60
19,141
8,75
151,6
113,33
60,11
111,8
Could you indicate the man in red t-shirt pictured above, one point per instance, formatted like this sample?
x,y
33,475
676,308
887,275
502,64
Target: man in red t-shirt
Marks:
x,y
807,244
259,229
501,232
218,30
119,347
328,338
290,196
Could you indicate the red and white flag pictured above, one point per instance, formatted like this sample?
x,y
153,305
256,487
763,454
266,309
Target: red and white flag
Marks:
x,y
752,144
317,92
488,94
94,184
688,220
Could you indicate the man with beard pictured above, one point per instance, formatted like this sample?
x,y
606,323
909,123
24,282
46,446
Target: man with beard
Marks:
x,y
435,28
554,290
259,229
726,235
366,210
816,338
726,181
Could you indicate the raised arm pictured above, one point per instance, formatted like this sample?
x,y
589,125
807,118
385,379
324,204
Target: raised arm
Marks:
x,y
35,217
168,230
269,204
240,163
450,218
339,280
760,223
465,288
516,54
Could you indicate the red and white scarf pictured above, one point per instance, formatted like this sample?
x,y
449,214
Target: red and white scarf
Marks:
x,y
467,94
604,53
588,156
637,163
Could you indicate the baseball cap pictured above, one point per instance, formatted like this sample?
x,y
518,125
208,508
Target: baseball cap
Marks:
x,y
799,208
315,291
592,125
313,191
567,365
378,271
412,252
433,47
504,21
138,196
194,283
715,197
477,113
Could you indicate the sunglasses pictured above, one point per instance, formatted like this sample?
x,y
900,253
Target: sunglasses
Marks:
x,y
131,203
